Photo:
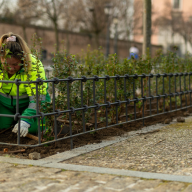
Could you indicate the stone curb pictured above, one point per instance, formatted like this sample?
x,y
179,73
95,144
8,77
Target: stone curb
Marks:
x,y
101,170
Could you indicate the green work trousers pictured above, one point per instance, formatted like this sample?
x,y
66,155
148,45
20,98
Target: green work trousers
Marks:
x,y
6,122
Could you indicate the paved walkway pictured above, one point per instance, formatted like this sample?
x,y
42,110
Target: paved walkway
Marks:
x,y
28,178
56,174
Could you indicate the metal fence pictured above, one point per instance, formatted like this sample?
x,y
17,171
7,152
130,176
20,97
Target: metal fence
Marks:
x,y
161,88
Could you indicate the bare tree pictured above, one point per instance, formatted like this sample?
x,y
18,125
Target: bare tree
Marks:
x,y
91,18
25,14
4,11
129,16
53,9
123,10
71,12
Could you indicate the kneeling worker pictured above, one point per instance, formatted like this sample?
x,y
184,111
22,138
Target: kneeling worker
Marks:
x,y
17,62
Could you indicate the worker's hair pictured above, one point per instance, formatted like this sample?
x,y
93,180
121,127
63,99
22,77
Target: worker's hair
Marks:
x,y
17,48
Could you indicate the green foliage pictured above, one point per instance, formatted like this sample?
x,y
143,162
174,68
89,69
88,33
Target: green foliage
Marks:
x,y
93,62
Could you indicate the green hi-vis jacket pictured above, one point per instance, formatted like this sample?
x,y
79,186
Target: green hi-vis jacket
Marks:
x,y
27,92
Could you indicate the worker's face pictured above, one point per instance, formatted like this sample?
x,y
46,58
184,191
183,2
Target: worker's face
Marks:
x,y
12,65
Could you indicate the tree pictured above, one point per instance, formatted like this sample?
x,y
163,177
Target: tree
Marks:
x,y
91,18
146,26
70,21
25,14
4,11
129,14
53,9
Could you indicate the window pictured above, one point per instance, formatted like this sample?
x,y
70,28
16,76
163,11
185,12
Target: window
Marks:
x,y
176,4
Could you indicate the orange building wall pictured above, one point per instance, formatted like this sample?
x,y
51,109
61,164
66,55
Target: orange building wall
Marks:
x,y
160,8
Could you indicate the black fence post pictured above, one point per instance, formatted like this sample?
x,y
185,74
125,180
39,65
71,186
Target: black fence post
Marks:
x,y
68,107
17,111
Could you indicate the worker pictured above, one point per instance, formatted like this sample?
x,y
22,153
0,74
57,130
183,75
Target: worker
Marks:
x,y
17,62
133,52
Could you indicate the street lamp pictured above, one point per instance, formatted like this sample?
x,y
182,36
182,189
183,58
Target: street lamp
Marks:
x,y
115,21
107,11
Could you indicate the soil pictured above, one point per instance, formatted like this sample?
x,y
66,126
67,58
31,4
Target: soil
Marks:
x,y
64,145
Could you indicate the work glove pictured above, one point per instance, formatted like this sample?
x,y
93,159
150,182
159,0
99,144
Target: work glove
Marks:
x,y
24,126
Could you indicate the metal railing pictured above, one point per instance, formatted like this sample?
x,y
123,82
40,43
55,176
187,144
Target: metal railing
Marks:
x,y
158,87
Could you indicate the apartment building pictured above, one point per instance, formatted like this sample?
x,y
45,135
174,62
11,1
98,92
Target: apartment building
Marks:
x,y
171,24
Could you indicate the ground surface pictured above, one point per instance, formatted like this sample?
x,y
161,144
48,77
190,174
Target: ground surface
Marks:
x,y
64,145
168,150
26,178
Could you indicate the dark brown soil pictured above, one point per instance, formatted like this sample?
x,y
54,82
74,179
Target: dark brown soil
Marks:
x,y
64,145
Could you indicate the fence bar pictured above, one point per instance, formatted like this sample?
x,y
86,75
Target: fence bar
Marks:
x,y
68,106
116,107
170,104
134,98
55,116
185,90
190,87
157,94
125,97
83,112
150,95
180,90
163,94
105,101
37,112
17,112
94,104
175,91
143,101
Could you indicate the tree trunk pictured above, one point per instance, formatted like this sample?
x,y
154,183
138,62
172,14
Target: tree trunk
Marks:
x,y
185,38
96,41
172,38
56,36
146,27
68,42
24,32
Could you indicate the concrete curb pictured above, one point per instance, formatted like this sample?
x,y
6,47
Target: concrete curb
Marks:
x,y
100,170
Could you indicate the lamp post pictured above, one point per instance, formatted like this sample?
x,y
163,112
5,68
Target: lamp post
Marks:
x,y
115,21
107,10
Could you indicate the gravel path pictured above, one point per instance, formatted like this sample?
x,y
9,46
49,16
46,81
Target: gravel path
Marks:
x,y
168,150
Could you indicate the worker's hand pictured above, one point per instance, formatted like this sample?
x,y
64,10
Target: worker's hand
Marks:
x,y
24,126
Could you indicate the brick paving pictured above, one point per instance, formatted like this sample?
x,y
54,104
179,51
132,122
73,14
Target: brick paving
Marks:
x,y
27,178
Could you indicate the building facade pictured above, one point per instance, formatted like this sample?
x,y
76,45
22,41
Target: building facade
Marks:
x,y
171,25
77,41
